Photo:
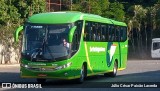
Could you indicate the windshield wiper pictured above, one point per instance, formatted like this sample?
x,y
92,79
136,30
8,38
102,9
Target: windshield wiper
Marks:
x,y
34,54
45,45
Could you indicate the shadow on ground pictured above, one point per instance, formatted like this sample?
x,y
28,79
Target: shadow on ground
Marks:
x,y
98,81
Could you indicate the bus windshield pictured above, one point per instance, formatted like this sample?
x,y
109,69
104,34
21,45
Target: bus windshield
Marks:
x,y
46,42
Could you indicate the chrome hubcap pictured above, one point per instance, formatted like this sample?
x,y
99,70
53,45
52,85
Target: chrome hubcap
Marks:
x,y
82,73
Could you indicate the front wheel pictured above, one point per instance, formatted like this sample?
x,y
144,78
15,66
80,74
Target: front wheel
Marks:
x,y
114,72
82,75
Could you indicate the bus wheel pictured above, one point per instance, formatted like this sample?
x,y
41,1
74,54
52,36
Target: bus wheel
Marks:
x,y
82,75
114,72
41,80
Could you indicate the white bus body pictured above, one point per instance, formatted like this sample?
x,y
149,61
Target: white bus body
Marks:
x,y
155,48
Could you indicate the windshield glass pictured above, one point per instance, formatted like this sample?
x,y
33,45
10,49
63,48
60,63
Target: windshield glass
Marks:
x,y
46,42
156,45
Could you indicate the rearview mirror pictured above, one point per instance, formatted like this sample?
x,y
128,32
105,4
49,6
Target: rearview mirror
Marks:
x,y
16,34
71,33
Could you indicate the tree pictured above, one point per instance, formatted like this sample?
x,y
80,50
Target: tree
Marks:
x,y
12,14
91,6
116,11
157,15
3,13
103,8
28,7
135,22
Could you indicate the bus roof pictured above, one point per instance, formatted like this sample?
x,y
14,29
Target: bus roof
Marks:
x,y
118,23
156,39
55,17
69,17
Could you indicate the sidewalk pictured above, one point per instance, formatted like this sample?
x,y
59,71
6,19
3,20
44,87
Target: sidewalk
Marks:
x,y
9,65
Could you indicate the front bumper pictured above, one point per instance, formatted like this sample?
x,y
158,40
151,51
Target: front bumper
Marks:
x,y
66,73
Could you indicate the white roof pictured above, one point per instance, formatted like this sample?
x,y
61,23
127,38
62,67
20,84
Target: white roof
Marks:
x,y
156,40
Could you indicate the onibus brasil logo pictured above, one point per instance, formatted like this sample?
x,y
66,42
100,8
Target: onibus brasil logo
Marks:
x,y
19,85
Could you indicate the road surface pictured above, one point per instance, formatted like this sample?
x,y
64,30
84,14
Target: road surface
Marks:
x,y
145,71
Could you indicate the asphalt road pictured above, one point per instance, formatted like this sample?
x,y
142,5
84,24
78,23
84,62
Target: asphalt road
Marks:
x,y
145,71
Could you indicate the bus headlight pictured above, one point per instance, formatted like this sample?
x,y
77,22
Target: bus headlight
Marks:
x,y
24,65
63,66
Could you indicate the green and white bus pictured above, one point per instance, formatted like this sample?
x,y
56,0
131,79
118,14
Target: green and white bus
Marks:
x,y
72,45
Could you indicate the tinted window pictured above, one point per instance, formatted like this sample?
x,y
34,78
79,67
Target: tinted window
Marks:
x,y
95,31
156,45
77,36
123,33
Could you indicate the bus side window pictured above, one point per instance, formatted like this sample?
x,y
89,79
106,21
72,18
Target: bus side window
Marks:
x,y
117,35
111,33
79,25
103,32
77,36
107,32
123,33
74,42
88,36
98,31
94,32
86,32
90,31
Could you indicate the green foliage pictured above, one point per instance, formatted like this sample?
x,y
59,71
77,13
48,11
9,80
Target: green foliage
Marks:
x,y
157,15
82,6
8,13
101,7
28,7
116,11
95,7
3,12
13,13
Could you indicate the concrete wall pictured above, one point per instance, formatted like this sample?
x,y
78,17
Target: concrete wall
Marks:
x,y
9,55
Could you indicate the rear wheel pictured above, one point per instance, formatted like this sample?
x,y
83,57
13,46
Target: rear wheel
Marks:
x,y
41,80
114,72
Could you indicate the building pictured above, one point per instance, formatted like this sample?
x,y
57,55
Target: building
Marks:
x,y
58,5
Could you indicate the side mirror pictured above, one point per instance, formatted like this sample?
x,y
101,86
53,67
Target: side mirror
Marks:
x,y
71,33
16,34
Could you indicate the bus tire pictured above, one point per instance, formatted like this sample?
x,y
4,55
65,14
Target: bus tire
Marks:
x,y
41,80
82,74
114,72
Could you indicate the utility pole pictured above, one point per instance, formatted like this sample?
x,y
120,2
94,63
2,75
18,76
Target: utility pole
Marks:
x,y
71,5
49,5
60,5
89,7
